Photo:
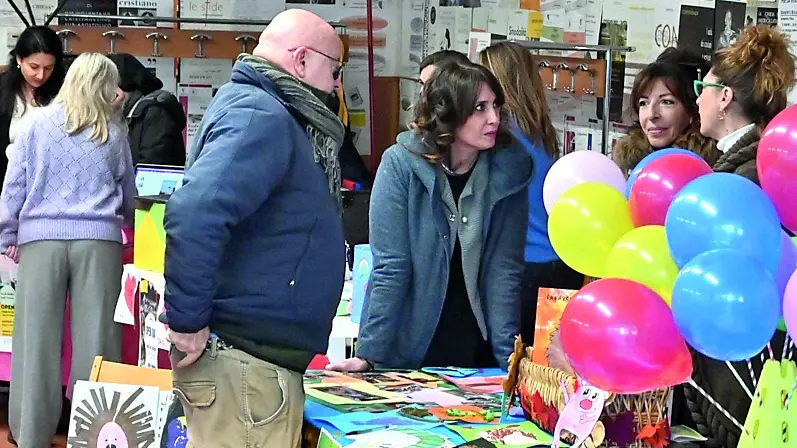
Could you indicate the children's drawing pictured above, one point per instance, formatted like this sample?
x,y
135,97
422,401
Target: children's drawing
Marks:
x,y
581,413
524,434
465,413
350,393
174,428
113,415
400,438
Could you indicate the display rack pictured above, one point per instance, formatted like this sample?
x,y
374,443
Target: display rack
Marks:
x,y
156,41
577,76
164,42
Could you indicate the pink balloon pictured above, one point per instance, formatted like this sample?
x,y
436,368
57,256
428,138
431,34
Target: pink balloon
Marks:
x,y
621,337
776,162
658,183
790,306
579,167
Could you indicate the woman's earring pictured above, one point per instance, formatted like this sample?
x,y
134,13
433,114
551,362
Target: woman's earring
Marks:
x,y
722,115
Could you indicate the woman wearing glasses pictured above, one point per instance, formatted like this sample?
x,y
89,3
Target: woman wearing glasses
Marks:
x,y
663,102
745,88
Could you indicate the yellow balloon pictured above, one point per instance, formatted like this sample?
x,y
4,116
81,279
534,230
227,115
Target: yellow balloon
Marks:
x,y
585,223
642,255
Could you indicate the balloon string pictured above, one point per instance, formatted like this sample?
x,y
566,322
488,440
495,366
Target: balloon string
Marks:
x,y
771,353
786,344
752,373
739,378
791,393
719,407
791,348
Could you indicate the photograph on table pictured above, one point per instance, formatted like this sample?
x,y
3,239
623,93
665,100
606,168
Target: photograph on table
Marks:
x,y
487,401
349,393
105,415
403,388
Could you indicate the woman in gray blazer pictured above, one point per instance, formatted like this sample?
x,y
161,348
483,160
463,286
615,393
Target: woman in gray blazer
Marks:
x,y
448,220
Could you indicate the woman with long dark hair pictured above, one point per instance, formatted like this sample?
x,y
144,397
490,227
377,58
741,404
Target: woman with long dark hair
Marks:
x,y
33,77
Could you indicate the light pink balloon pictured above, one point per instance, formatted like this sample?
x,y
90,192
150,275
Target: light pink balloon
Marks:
x,y
579,167
790,306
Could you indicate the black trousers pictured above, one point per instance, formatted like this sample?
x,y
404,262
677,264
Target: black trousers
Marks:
x,y
554,274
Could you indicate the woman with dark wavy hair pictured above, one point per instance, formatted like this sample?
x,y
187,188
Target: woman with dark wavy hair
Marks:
x,y
33,77
664,106
448,225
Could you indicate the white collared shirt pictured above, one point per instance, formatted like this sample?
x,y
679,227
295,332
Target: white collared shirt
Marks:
x,y
729,140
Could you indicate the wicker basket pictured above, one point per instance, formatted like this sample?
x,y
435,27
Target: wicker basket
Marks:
x,y
648,408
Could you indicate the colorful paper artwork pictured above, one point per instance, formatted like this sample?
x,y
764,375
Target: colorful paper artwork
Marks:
x,y
581,413
400,438
140,286
479,384
120,415
172,427
465,413
547,350
352,422
523,434
349,393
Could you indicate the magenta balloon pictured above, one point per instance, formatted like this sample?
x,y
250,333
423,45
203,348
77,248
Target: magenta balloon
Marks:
x,y
776,162
580,167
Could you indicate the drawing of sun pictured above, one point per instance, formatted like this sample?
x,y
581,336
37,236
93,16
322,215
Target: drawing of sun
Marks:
x,y
118,424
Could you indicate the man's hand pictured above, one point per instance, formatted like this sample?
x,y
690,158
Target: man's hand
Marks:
x,y
350,365
192,344
13,253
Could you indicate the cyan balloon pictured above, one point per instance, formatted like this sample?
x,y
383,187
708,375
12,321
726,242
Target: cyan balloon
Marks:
x,y
649,158
726,305
723,211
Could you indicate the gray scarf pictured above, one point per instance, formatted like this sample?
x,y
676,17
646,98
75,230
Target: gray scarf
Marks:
x,y
324,128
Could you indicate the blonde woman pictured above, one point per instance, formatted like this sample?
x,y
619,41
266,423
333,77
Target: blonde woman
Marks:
x,y
532,127
68,187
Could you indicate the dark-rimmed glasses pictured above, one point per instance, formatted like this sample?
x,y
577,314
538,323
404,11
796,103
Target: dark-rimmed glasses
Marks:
x,y
338,69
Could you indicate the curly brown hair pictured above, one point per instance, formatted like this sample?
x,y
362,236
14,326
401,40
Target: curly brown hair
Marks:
x,y
760,70
449,98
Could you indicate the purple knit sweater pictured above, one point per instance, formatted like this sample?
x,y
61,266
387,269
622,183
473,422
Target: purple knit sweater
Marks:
x,y
65,187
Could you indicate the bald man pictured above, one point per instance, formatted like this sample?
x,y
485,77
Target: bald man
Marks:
x,y
254,248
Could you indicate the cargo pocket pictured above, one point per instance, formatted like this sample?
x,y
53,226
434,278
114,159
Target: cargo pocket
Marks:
x,y
263,394
198,395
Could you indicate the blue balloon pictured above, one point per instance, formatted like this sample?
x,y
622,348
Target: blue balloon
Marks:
x,y
723,211
726,305
649,158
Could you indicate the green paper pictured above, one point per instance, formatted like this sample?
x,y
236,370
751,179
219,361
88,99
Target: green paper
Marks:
x,y
766,420
782,325
471,433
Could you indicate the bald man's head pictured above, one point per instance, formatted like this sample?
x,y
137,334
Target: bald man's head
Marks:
x,y
304,45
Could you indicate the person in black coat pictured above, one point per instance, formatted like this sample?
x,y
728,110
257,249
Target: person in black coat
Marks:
x,y
154,116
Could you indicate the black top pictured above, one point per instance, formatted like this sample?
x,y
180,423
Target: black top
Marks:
x,y
457,340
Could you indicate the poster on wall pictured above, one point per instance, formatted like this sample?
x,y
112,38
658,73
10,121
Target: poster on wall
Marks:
x,y
697,30
767,16
41,8
195,100
97,8
229,9
729,20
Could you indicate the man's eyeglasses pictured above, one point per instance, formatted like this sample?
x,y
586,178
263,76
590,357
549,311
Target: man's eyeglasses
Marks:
x,y
338,69
699,85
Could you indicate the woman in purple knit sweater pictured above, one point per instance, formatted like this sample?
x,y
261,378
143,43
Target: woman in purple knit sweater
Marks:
x,y
68,188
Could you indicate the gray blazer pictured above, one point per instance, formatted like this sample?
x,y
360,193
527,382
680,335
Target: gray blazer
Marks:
x,y
412,238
